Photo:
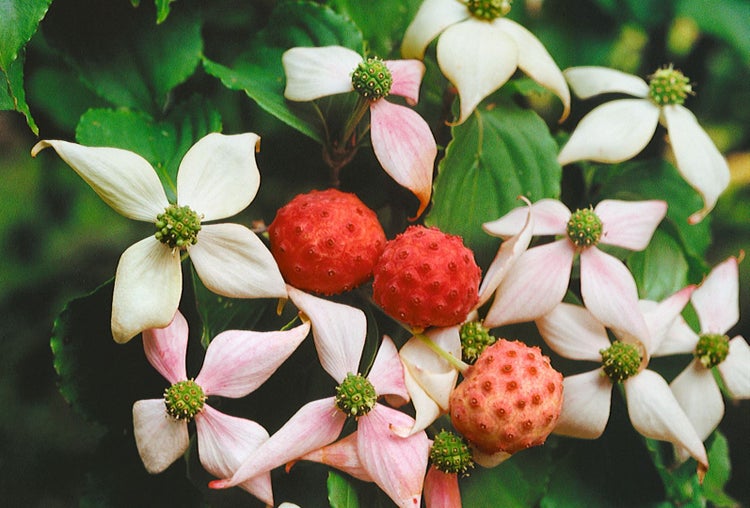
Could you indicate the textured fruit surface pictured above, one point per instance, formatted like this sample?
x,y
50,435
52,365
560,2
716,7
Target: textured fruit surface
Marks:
x,y
326,241
426,278
509,400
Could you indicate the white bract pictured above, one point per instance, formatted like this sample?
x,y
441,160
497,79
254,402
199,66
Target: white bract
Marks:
x,y
618,130
217,178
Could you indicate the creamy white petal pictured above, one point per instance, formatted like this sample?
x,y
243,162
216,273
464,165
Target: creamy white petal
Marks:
x,y
679,339
148,286
433,17
160,438
656,414
488,460
123,179
478,59
716,301
312,73
699,396
550,218
613,132
586,401
535,60
661,317
588,81
735,369
218,176
232,261
698,160
425,408
573,332
629,224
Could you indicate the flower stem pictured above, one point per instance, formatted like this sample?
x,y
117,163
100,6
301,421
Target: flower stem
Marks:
x,y
455,362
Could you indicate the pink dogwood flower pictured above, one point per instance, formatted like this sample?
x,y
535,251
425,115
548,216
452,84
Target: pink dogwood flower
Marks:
x,y
479,49
618,130
574,332
396,464
401,139
539,277
236,363
716,302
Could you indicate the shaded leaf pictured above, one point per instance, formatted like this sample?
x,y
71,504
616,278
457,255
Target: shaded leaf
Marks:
x,y
14,97
341,493
18,22
728,20
660,269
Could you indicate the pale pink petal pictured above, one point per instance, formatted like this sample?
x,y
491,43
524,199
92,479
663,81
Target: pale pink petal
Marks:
x,y
224,442
148,286
312,73
407,78
550,218
573,332
478,59
510,250
433,17
534,287
610,294
160,438
629,224
315,425
716,301
698,160
396,464
405,147
123,179
342,455
166,348
586,82
237,362
613,132
534,60
655,413
661,317
387,374
735,369
232,261
339,332
586,401
218,177
441,489
679,339
699,396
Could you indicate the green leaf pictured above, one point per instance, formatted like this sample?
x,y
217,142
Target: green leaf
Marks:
x,y
121,55
259,71
341,493
660,269
495,156
18,22
162,10
719,472
14,97
162,143
728,20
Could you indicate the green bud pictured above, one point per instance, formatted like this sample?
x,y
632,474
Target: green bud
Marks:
x,y
372,79
355,396
712,349
475,338
450,453
177,227
184,400
488,10
584,228
620,361
669,86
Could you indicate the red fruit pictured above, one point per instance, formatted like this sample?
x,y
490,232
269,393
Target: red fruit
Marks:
x,y
426,278
326,241
510,399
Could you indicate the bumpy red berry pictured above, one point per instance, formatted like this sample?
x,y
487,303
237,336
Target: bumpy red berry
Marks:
x,y
509,400
326,241
426,278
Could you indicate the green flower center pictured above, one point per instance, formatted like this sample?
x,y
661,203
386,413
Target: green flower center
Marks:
x,y
620,361
584,228
355,396
184,400
372,79
669,86
450,453
475,338
488,9
177,227
712,349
